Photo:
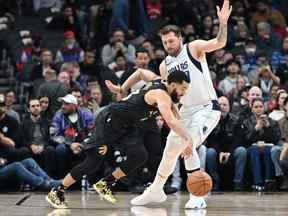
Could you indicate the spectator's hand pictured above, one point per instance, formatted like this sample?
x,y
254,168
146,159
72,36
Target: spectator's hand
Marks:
x,y
224,13
93,105
36,149
76,148
225,157
221,157
259,124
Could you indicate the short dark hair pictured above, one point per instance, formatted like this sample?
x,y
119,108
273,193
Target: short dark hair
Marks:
x,y
141,50
75,89
177,76
31,99
255,100
170,28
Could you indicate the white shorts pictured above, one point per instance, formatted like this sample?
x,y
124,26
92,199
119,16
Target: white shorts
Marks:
x,y
199,121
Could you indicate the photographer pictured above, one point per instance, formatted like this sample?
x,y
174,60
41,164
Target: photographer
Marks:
x,y
265,79
261,133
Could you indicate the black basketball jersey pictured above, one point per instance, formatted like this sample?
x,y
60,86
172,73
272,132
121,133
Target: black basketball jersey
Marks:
x,y
133,108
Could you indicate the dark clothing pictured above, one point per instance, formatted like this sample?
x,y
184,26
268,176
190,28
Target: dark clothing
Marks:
x,y
37,72
119,126
222,138
269,134
28,132
10,128
53,90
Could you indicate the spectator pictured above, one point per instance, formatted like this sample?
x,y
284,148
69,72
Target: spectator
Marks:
x,y
265,13
25,172
46,62
117,43
279,112
64,78
45,108
265,79
36,137
120,65
10,99
222,149
261,132
141,61
281,146
78,95
9,136
67,21
267,41
279,57
228,85
70,127
272,103
77,79
282,72
53,89
70,50
95,100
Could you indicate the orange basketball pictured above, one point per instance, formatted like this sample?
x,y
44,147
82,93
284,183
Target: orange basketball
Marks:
x,y
199,183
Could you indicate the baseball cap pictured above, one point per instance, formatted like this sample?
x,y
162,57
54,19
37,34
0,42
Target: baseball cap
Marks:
x,y
69,98
69,34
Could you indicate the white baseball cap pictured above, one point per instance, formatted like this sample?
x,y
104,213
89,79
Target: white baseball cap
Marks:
x,y
69,98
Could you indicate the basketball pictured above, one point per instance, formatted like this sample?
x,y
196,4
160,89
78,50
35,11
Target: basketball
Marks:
x,y
199,183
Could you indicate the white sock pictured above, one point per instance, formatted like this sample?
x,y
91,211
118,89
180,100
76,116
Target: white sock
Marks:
x,y
158,183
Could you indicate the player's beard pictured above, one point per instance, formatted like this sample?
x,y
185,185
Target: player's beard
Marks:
x,y
174,96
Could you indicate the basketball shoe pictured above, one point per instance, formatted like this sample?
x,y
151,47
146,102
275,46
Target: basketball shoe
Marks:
x,y
196,202
56,199
149,196
104,190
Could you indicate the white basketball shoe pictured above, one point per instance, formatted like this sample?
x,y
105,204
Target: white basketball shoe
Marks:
x,y
149,196
196,202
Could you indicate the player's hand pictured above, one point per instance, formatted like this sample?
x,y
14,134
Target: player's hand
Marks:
x,y
225,12
113,88
188,151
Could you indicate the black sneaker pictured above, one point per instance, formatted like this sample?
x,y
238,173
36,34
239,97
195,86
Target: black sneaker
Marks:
x,y
56,199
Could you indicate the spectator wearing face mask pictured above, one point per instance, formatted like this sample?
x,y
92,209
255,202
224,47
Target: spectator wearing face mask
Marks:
x,y
70,51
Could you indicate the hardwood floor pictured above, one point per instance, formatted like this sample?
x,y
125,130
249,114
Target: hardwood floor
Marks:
x,y
89,204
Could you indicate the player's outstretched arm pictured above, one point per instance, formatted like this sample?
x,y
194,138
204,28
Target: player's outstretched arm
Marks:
x,y
138,75
220,41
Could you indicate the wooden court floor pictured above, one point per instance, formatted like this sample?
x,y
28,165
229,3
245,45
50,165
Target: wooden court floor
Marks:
x,y
87,203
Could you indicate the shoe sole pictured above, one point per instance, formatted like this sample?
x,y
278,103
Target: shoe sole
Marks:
x,y
54,205
153,202
102,196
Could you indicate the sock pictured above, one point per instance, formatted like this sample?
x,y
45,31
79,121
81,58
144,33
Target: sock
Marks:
x,y
61,187
158,183
110,179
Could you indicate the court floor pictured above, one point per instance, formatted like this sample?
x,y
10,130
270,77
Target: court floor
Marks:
x,y
87,203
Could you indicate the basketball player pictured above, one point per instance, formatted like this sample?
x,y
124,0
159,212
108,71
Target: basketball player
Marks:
x,y
200,111
118,124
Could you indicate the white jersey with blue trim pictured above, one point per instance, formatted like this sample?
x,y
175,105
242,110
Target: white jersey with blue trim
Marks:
x,y
201,89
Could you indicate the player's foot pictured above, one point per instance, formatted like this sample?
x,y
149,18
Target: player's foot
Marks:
x,y
196,203
104,190
149,196
56,199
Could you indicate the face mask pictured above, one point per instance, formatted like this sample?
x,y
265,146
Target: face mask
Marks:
x,y
250,51
70,45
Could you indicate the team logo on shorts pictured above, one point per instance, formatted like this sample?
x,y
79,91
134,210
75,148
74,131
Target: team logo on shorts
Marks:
x,y
205,129
102,150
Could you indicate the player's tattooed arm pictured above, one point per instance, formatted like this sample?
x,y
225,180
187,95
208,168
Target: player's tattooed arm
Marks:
x,y
222,34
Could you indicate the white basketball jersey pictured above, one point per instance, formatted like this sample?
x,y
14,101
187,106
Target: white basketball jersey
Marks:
x,y
201,89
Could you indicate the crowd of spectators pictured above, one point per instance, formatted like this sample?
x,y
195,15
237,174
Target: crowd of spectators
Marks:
x,y
109,40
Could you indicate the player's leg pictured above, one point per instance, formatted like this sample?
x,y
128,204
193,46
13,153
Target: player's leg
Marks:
x,y
93,161
202,124
136,154
168,162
